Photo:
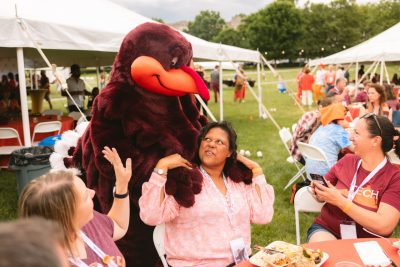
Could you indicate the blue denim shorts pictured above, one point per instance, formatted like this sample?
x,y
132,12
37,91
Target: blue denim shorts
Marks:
x,y
315,228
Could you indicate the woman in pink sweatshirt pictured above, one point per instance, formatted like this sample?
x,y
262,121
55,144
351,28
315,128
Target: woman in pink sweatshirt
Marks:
x,y
216,230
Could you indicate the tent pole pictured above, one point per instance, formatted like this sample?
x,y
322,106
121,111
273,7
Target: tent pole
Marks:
x,y
356,73
260,110
98,76
381,74
24,101
387,74
374,71
221,103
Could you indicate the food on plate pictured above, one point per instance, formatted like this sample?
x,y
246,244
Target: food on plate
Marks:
x,y
280,253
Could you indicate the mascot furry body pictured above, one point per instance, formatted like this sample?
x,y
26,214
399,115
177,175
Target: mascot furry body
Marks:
x,y
146,113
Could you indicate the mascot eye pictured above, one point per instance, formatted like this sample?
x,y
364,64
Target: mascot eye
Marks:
x,y
174,61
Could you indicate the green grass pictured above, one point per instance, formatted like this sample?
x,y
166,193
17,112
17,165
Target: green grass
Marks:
x,y
253,134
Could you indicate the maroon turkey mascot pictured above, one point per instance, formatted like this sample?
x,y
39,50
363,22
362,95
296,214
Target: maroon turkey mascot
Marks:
x,y
146,111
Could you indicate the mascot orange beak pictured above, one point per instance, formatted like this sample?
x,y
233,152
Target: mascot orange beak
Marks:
x,y
149,74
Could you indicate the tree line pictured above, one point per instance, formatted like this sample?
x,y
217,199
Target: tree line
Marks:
x,y
281,30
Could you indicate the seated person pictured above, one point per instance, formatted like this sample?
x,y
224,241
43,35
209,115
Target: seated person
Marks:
x,y
364,187
330,137
32,242
223,210
377,101
64,198
93,94
361,96
306,125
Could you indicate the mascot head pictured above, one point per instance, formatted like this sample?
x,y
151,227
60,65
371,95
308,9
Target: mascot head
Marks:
x,y
159,69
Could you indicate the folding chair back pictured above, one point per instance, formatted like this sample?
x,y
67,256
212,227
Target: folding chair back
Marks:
x,y
158,239
46,127
304,202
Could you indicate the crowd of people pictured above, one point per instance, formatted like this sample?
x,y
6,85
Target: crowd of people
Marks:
x,y
362,185
9,93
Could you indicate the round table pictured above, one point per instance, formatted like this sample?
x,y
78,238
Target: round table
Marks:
x,y
344,250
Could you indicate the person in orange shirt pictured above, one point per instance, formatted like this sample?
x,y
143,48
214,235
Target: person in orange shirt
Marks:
x,y
306,83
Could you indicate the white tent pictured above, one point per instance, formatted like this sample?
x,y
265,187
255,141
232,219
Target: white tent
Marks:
x,y
88,32
382,47
84,34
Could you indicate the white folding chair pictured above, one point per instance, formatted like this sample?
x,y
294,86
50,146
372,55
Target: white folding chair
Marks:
x,y
294,126
158,239
313,153
304,202
286,137
393,158
52,112
9,133
46,127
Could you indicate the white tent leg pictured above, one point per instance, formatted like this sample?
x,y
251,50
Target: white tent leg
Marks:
x,y
98,77
24,101
381,75
356,73
387,74
260,110
221,94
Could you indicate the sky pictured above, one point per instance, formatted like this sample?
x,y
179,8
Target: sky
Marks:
x,y
178,10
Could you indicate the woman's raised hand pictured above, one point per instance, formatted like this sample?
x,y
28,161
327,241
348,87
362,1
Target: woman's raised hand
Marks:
x,y
172,162
252,165
122,174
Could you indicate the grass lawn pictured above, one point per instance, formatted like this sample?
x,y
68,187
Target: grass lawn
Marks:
x,y
253,134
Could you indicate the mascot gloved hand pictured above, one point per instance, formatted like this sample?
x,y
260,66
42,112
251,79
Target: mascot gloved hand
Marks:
x,y
147,111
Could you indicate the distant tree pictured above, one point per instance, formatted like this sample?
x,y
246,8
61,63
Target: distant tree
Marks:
x,y
275,29
206,25
158,19
230,37
379,17
327,27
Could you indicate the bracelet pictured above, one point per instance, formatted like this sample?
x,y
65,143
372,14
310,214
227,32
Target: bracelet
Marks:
x,y
347,207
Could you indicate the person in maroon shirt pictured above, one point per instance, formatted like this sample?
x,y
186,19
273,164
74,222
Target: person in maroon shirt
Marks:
x,y
363,188
88,235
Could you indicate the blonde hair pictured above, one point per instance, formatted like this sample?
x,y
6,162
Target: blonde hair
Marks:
x,y
52,196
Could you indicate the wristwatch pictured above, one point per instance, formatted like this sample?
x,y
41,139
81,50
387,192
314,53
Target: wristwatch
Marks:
x,y
121,196
160,171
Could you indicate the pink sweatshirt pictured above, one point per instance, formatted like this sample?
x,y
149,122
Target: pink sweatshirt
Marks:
x,y
200,235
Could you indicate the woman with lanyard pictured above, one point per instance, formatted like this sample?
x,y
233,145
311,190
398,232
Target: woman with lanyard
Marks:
x,y
88,235
363,193
216,230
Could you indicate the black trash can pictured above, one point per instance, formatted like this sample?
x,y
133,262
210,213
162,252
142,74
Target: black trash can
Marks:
x,y
29,163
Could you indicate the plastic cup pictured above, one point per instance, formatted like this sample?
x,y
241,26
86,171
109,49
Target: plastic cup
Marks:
x,y
346,264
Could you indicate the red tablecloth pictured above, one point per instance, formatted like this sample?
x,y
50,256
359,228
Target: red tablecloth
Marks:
x,y
344,250
354,111
67,123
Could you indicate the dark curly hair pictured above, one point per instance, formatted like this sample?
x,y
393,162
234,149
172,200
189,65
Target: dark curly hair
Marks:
x,y
227,127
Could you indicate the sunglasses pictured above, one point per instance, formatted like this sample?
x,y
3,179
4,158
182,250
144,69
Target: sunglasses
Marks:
x,y
372,114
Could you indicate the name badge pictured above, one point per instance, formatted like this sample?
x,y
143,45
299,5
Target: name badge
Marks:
x,y
238,249
348,230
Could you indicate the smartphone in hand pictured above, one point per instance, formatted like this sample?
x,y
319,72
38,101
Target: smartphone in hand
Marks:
x,y
319,178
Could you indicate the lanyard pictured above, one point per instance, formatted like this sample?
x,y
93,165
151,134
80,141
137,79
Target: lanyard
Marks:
x,y
353,192
228,203
103,256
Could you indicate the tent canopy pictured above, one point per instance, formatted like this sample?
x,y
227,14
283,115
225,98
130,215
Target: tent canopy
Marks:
x,y
382,47
68,35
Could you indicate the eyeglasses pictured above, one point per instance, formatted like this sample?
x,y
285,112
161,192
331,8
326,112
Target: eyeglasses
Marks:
x,y
372,114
